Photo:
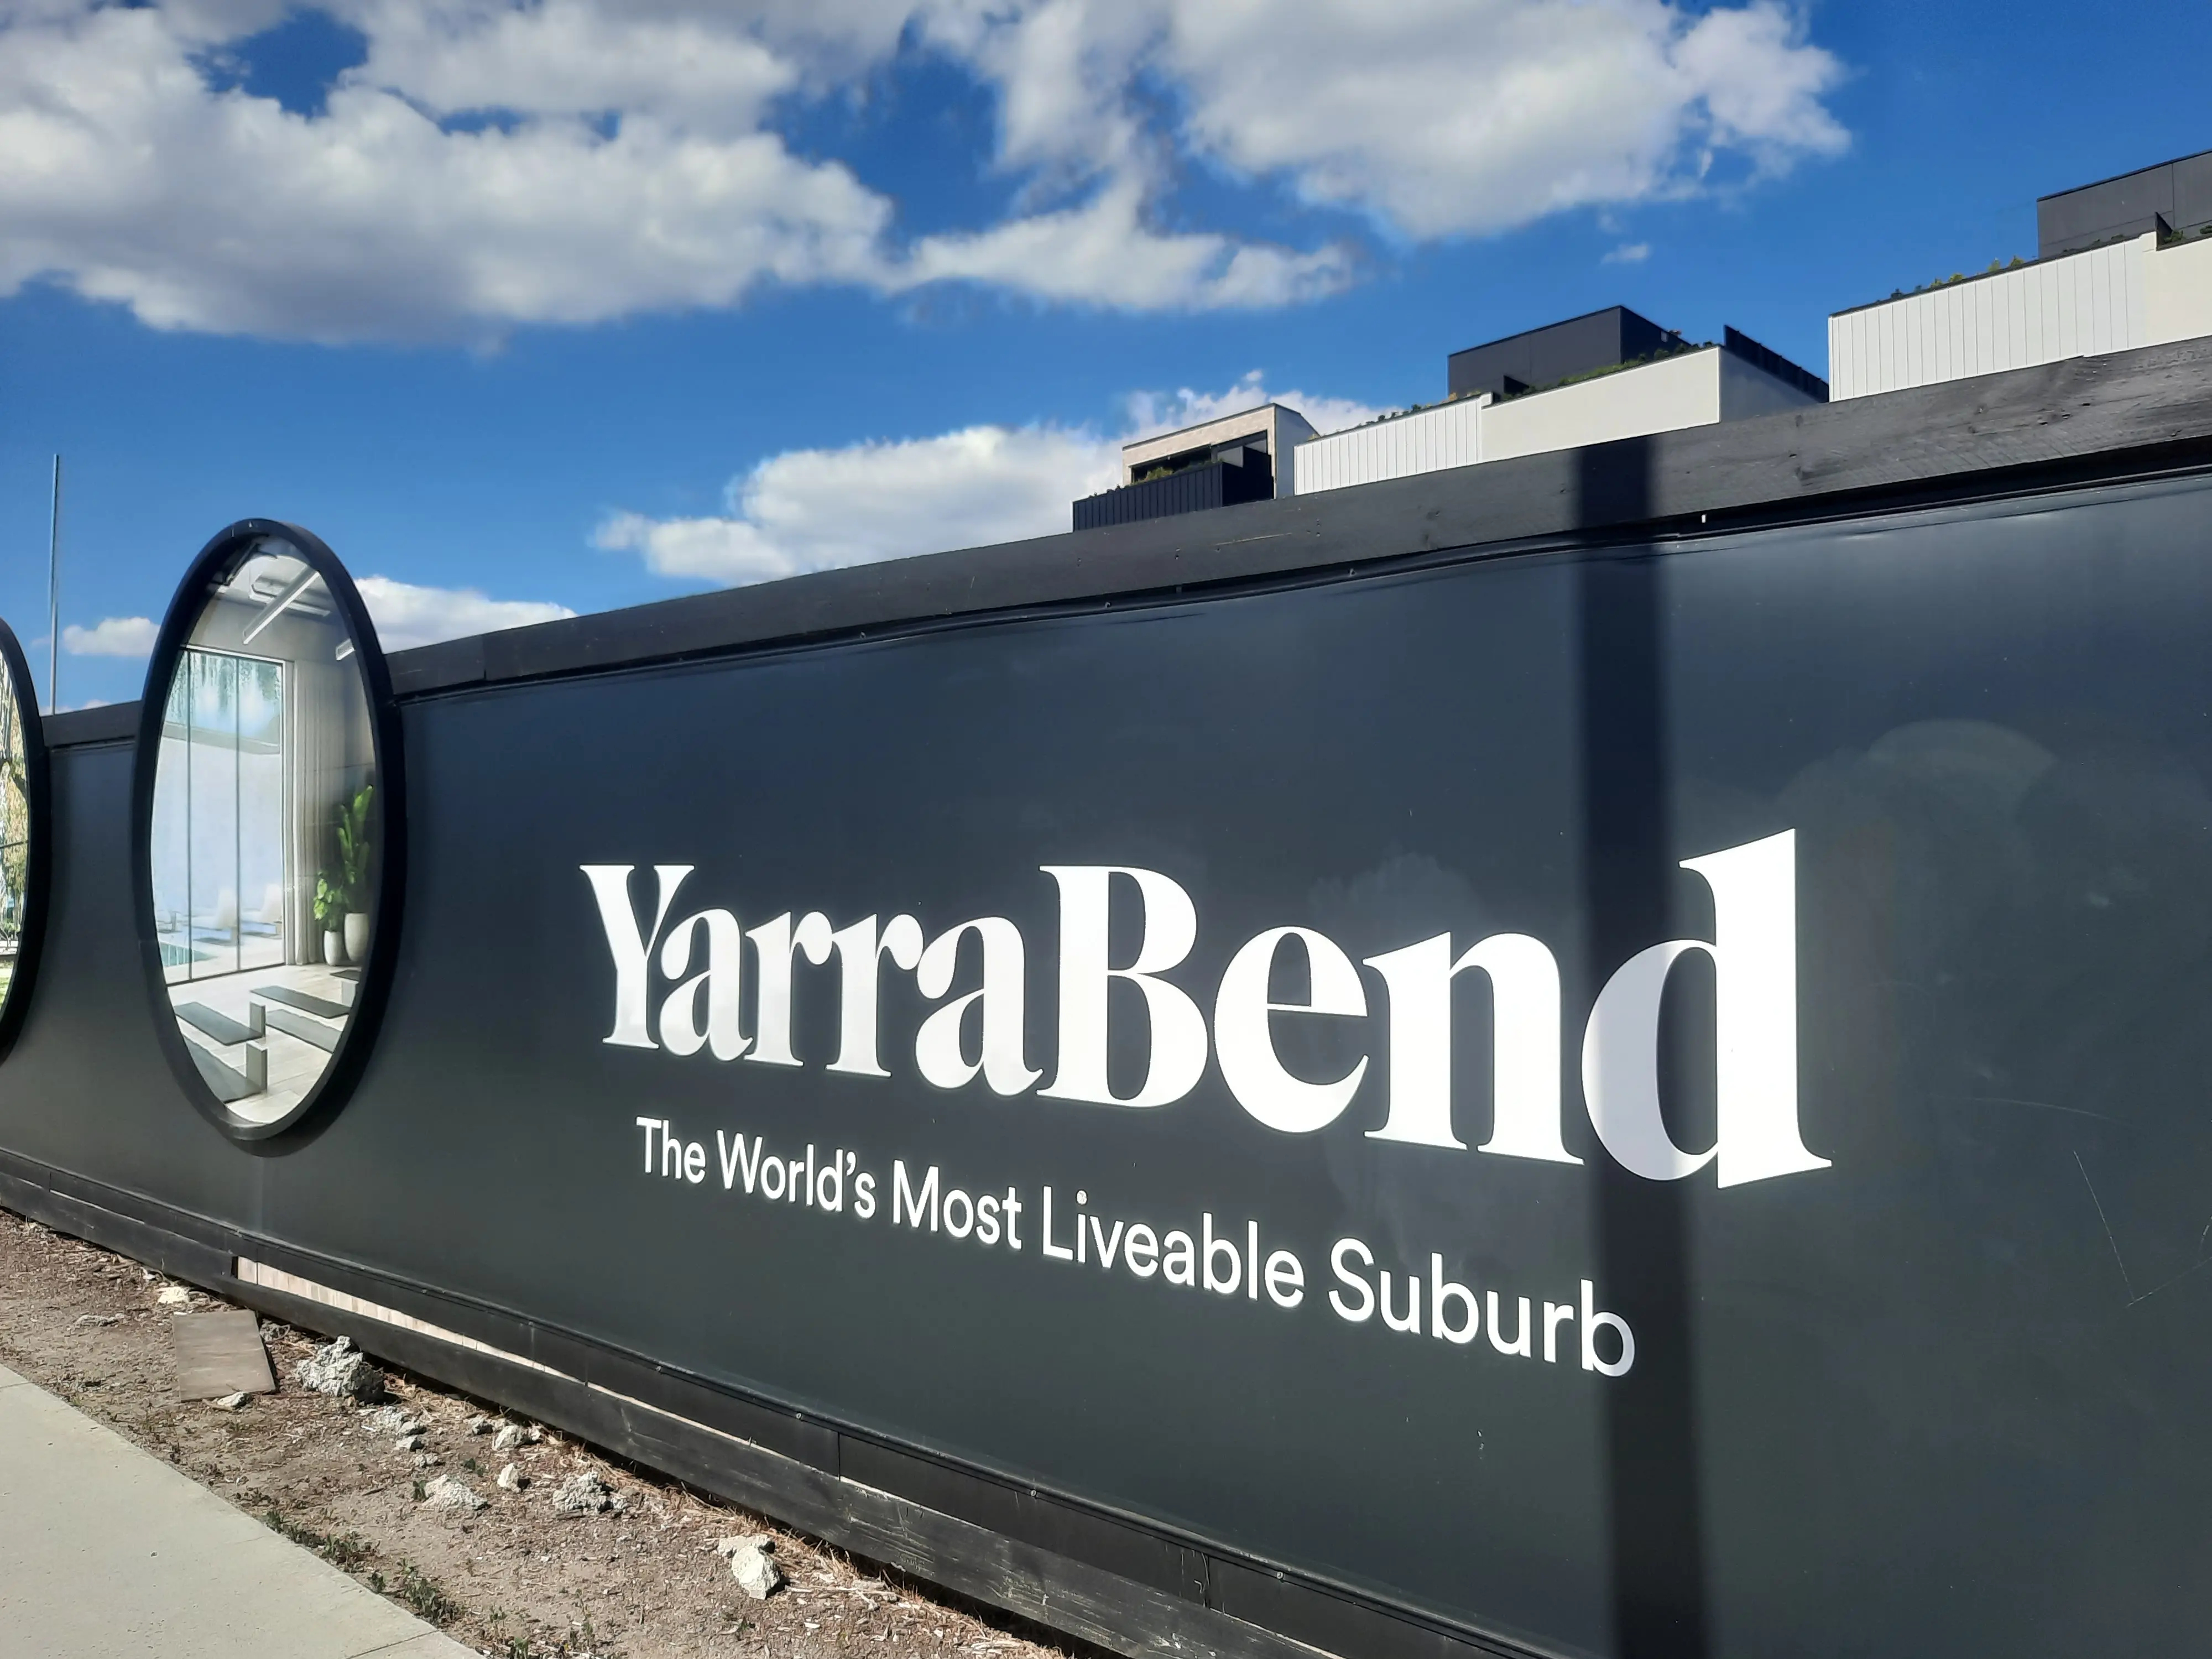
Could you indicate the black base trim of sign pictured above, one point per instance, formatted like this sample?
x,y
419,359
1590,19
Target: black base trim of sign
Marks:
x,y
1089,1574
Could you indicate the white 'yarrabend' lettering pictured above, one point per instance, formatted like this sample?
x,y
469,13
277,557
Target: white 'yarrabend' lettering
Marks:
x,y
1753,951
1754,957
611,886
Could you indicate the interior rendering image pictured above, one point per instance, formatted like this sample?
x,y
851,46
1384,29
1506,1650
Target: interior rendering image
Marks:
x,y
15,832
265,823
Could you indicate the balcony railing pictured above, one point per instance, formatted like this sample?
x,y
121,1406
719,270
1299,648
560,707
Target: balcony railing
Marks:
x,y
1218,483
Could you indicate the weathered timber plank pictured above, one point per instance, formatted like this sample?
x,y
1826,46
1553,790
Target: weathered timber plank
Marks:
x,y
2154,399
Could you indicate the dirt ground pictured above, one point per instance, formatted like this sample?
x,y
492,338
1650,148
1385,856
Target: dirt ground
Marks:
x,y
515,1579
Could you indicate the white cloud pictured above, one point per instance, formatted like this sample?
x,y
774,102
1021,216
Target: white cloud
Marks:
x,y
630,169
817,509
1103,251
1628,253
1759,85
820,510
1150,413
566,57
1436,116
406,614
112,637
131,180
495,163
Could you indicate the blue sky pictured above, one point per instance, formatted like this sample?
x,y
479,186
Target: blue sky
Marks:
x,y
579,305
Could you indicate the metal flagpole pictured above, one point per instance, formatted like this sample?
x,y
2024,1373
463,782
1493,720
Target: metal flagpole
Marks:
x,y
54,599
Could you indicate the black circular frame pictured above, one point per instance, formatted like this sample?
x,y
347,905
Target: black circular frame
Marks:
x,y
17,668
387,852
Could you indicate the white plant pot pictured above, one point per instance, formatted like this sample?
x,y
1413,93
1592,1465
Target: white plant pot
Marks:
x,y
356,935
334,948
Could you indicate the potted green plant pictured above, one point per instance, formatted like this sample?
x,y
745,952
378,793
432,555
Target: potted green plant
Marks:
x,y
330,917
352,868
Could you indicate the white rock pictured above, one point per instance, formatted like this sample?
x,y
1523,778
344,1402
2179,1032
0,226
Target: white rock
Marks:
x,y
428,1460
341,1370
174,1295
408,1443
750,1565
509,1437
447,1493
231,1402
510,1479
583,1493
480,1425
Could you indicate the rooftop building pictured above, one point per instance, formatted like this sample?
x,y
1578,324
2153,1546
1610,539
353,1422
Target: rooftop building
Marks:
x,y
2124,262
1244,457
1546,356
2173,199
1611,374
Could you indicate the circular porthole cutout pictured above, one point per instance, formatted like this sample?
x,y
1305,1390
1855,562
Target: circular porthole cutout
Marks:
x,y
23,835
268,818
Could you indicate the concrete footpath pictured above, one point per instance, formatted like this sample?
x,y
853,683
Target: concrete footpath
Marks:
x,y
105,1550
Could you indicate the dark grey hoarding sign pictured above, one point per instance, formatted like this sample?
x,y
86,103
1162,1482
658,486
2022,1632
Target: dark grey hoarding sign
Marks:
x,y
1636,1100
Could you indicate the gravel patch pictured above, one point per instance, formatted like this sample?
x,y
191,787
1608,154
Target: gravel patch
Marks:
x,y
543,1547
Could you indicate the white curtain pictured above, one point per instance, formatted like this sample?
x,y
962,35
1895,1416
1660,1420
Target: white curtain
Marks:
x,y
317,765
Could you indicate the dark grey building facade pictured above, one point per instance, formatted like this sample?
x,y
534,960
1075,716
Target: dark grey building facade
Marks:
x,y
1544,356
2173,198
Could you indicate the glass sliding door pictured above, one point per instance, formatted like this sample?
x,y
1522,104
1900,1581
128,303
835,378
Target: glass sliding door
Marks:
x,y
220,881
263,808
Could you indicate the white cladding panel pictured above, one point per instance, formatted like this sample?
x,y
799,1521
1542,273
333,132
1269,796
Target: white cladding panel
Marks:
x,y
1694,389
1633,403
1450,434
2178,287
2082,304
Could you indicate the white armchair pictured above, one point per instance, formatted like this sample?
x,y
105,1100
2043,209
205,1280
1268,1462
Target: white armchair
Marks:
x,y
269,918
